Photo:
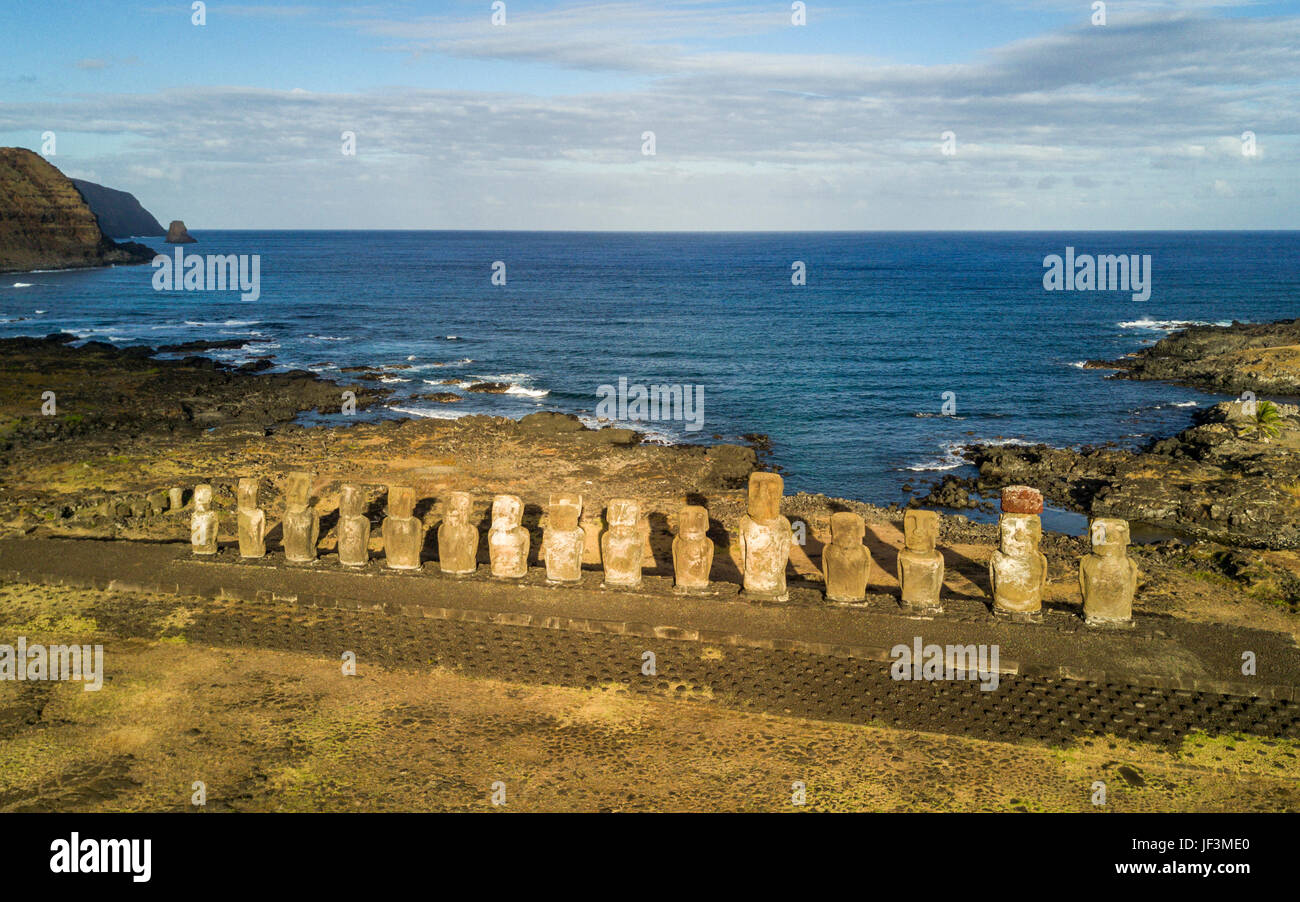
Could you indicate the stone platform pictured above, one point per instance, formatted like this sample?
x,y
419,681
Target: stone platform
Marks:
x,y
1156,652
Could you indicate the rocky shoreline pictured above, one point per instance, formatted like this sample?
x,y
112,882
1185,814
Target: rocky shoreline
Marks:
x,y
1232,477
130,426
1263,358
1215,480
1228,482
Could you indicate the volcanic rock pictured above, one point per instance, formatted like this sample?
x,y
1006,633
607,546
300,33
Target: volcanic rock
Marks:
x,y
45,223
177,234
119,214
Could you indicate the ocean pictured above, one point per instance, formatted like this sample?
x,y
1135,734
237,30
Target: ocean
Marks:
x,y
899,348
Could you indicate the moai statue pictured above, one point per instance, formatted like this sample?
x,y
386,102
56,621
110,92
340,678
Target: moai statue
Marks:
x,y
920,565
353,528
622,545
203,522
457,537
846,563
593,527
564,540
250,519
508,541
765,539
175,498
1107,577
301,523
1018,570
403,531
692,550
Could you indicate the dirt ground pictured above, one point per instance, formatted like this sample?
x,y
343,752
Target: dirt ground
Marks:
x,y
277,731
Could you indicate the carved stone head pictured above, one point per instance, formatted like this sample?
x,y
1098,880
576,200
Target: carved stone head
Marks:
x,y
351,502
247,492
765,496
1020,534
297,493
920,530
693,521
458,508
401,501
847,529
507,512
1109,535
623,512
202,496
565,511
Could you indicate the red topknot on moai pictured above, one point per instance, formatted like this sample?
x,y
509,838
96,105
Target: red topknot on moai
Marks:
x,y
1021,499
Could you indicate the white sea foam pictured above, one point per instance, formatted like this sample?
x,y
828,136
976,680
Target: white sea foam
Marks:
x,y
229,322
328,337
518,384
502,377
950,460
649,436
22,285
1168,325
1078,364
444,384
428,413
528,392
420,367
392,379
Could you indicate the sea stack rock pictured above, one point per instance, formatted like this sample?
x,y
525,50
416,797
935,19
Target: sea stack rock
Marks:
x,y
564,540
203,522
353,528
250,520
846,563
692,551
1018,570
403,531
177,234
920,565
508,541
457,537
765,539
621,550
301,522
1107,577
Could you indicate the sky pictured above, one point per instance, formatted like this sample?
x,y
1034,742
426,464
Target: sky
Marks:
x,y
1052,121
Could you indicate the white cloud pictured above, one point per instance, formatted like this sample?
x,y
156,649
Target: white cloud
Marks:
x,y
1111,125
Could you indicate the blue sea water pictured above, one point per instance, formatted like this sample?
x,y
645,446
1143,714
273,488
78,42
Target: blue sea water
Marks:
x,y
847,374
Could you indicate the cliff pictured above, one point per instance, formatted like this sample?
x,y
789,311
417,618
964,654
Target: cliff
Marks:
x,y
45,223
119,213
